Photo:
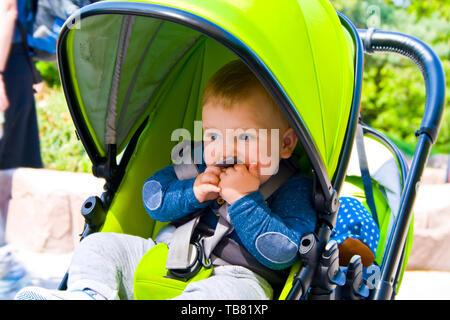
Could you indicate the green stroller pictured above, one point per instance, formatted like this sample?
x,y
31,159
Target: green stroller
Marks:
x,y
133,72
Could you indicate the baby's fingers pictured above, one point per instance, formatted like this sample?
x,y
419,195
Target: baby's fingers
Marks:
x,y
210,178
213,170
206,192
207,188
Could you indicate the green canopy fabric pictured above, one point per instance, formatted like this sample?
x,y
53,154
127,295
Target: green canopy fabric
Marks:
x,y
117,65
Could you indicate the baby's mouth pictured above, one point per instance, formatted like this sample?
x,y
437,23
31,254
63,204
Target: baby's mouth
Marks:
x,y
227,162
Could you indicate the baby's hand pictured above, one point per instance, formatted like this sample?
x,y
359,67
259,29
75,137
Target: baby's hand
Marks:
x,y
206,184
238,181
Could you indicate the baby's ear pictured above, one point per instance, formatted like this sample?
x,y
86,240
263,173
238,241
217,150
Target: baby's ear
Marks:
x,y
288,143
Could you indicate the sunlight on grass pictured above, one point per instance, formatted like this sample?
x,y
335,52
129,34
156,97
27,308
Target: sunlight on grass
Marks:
x,y
60,147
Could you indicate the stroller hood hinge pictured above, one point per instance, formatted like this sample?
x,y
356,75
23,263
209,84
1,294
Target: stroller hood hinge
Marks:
x,y
327,208
107,168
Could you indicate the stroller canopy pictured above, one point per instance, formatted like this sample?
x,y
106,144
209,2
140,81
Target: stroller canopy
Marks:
x,y
118,58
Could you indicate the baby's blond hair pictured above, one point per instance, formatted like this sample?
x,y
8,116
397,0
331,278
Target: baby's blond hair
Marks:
x,y
234,82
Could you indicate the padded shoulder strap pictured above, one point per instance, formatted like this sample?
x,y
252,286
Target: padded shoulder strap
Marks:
x,y
285,170
184,156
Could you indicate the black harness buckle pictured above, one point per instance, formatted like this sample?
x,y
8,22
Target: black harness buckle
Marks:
x,y
198,262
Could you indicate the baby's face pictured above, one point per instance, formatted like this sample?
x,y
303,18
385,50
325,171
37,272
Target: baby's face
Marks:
x,y
245,131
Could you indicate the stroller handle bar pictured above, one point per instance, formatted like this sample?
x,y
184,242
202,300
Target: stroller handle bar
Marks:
x,y
432,71
428,62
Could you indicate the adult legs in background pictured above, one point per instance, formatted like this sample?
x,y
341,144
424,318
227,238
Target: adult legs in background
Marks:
x,y
20,146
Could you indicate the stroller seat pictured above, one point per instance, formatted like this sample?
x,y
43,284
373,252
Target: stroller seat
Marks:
x,y
388,170
174,107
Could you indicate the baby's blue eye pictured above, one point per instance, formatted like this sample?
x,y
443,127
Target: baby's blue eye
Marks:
x,y
244,137
210,136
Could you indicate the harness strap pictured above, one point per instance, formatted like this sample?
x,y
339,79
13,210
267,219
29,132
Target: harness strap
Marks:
x,y
285,170
229,252
181,250
223,228
184,164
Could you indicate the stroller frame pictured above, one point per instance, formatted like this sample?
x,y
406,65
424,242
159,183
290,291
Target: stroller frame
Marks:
x,y
325,191
429,63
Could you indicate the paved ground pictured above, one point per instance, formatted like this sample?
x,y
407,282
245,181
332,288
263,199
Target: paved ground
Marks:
x,y
44,270
425,285
47,270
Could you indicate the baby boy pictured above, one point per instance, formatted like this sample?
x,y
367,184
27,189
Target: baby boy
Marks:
x,y
241,121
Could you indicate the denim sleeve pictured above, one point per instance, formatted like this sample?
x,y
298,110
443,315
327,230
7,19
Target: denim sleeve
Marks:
x,y
272,235
166,198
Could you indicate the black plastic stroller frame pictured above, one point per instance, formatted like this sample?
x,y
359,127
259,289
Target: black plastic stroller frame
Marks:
x,y
432,71
430,65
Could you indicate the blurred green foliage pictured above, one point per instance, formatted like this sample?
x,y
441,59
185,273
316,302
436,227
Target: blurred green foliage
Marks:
x,y
393,95
60,147
49,73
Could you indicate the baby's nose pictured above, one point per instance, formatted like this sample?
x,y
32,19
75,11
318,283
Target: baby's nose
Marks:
x,y
230,148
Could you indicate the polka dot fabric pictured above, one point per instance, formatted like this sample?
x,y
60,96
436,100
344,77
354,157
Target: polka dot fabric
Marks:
x,y
354,221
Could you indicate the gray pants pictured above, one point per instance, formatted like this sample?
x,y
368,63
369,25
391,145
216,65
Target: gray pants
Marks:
x,y
105,263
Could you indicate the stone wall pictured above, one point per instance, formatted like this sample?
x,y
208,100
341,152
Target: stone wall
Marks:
x,y
431,243
43,207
